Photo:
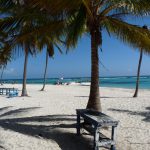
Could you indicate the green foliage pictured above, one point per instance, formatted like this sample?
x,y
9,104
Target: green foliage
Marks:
x,y
76,27
41,23
27,24
110,15
133,35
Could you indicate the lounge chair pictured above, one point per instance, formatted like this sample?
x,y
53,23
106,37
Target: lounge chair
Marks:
x,y
13,94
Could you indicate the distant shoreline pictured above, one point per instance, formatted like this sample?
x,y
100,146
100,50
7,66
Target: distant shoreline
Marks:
x,y
127,82
77,77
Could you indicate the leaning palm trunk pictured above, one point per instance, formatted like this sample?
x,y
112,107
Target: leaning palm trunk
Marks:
x,y
2,75
94,98
24,90
138,74
44,82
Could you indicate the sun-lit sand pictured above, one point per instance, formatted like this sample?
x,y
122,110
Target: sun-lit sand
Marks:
x,y
46,120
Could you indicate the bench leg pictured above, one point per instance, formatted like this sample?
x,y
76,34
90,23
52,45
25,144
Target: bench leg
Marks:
x,y
78,124
113,147
96,148
96,139
113,138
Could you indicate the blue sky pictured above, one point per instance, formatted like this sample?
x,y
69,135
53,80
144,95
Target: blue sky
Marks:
x,y
119,60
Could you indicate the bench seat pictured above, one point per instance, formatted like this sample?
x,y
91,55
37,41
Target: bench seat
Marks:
x,y
93,123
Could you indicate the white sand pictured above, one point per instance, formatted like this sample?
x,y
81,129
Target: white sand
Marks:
x,y
52,114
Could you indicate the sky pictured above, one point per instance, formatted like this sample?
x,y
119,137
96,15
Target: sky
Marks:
x,y
118,59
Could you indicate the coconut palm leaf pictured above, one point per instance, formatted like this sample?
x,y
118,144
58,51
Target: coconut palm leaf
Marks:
x,y
76,27
135,36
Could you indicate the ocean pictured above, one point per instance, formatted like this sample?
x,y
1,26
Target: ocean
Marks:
x,y
118,82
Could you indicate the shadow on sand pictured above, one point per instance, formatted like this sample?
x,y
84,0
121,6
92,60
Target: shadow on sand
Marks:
x,y
104,97
53,127
145,114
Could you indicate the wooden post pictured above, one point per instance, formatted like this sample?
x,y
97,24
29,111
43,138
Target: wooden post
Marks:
x,y
113,137
78,124
96,139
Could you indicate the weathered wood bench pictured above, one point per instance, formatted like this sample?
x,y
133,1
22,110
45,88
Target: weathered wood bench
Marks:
x,y
93,122
7,91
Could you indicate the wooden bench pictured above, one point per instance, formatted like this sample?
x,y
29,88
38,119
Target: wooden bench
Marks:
x,y
9,91
93,122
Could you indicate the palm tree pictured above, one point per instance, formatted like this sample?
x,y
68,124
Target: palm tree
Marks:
x,y
138,74
50,53
13,27
139,68
24,33
24,89
1,82
46,64
93,16
4,57
21,24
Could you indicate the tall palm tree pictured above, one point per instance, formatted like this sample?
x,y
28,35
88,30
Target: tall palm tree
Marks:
x,y
24,89
46,64
93,16
138,74
12,27
50,53
1,79
139,68
4,57
24,25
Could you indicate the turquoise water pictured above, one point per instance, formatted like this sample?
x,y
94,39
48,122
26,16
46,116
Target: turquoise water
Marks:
x,y
120,82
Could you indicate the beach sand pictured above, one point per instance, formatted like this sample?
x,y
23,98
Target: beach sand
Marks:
x,y
46,120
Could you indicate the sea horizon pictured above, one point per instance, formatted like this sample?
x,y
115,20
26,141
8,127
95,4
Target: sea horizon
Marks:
x,y
105,81
76,77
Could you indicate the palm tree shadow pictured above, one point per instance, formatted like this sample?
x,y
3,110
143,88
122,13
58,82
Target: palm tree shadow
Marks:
x,y
145,114
100,97
2,147
60,128
5,108
16,111
104,97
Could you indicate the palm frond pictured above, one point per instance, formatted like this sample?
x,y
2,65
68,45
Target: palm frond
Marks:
x,y
135,36
135,7
76,27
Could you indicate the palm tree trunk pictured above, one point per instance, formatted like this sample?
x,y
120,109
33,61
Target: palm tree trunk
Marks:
x,y
94,98
44,82
138,74
24,90
2,75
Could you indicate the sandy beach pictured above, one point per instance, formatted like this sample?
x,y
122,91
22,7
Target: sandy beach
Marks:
x,y
46,120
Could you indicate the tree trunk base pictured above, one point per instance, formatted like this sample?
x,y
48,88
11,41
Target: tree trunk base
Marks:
x,y
24,93
42,89
135,95
96,106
